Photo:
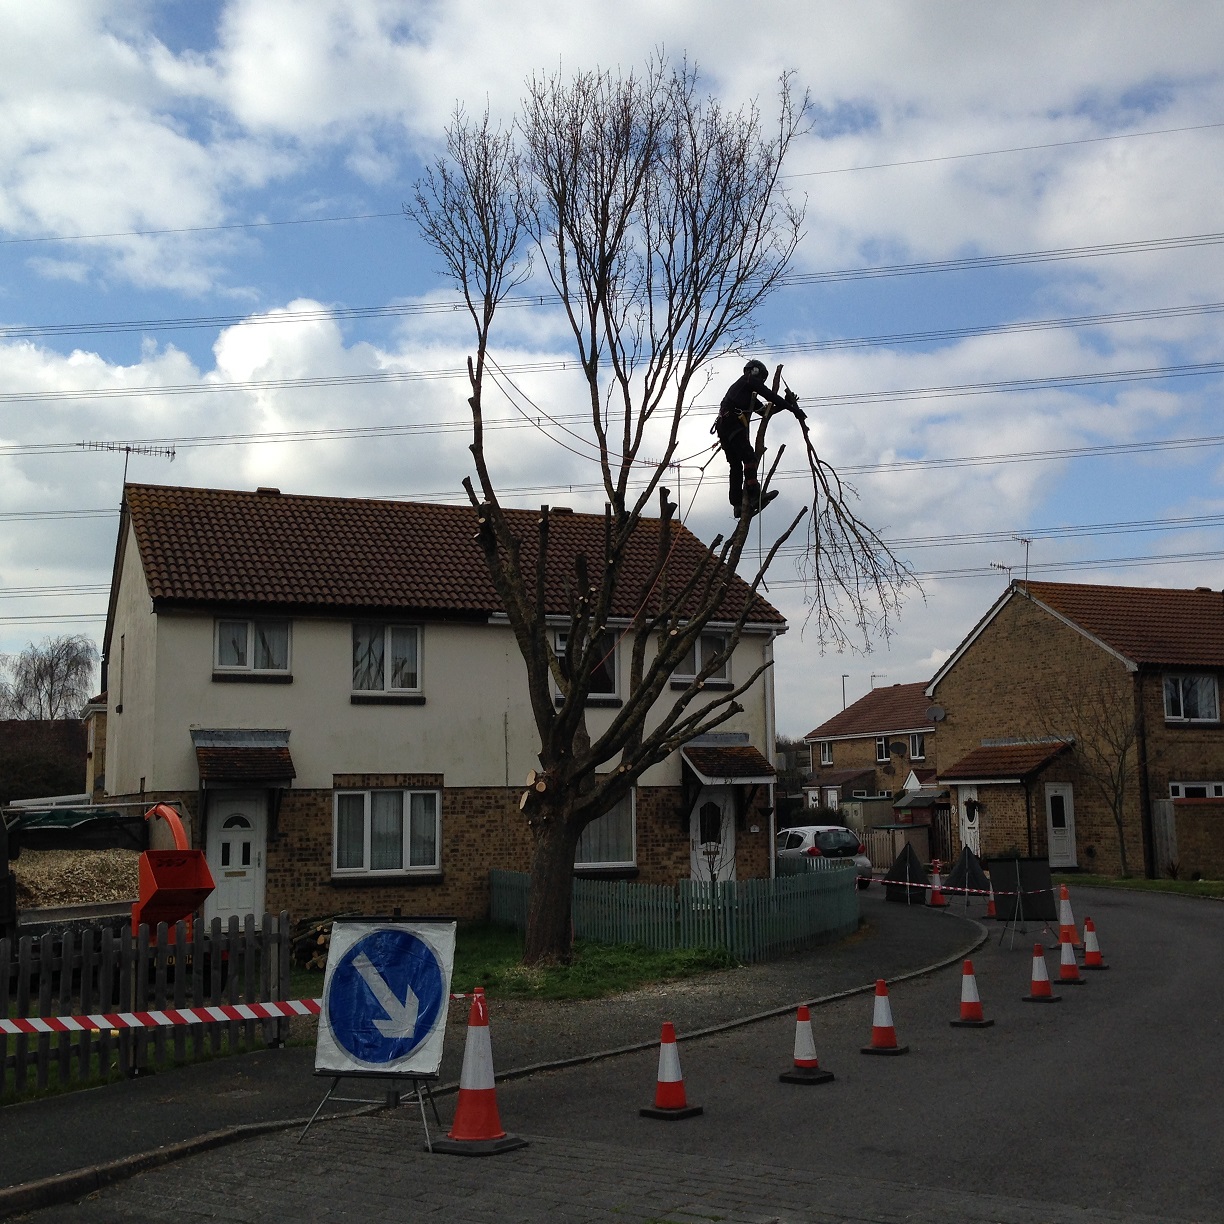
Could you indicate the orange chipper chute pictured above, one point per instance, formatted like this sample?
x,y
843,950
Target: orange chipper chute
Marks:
x,y
173,883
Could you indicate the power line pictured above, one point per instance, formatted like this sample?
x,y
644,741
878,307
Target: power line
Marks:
x,y
1053,144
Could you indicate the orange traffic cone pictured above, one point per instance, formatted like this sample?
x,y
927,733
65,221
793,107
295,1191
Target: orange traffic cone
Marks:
x,y
991,912
807,1068
1066,920
1092,949
670,1102
936,900
1068,969
1040,991
883,1034
971,1003
477,1128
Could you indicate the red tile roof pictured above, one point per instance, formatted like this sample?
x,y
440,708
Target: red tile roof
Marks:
x,y
1145,624
1002,761
244,764
899,707
835,777
219,546
728,761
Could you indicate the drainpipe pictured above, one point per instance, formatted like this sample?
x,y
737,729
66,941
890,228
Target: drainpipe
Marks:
x,y
1145,794
1028,815
771,739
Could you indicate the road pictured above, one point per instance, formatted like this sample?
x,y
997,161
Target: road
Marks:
x,y
1105,1106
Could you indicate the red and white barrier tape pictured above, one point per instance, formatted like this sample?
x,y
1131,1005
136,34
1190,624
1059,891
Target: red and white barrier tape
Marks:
x,y
158,1019
974,892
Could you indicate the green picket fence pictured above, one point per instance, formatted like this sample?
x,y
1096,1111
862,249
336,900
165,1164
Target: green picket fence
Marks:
x,y
753,919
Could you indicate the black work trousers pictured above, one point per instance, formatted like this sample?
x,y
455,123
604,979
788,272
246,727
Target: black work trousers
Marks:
x,y
733,438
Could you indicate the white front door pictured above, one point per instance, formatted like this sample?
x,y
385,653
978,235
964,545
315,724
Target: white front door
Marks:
x,y
712,834
1060,824
237,843
970,830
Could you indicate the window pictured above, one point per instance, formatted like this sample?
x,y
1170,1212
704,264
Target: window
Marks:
x,y
386,831
608,841
882,749
918,747
1191,699
386,658
252,646
1196,790
826,752
703,650
603,669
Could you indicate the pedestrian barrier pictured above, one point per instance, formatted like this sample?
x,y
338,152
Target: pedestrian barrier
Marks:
x,y
807,1069
1092,949
1040,990
971,1015
883,1033
670,1102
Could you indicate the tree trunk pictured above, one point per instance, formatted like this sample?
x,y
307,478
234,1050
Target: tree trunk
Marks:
x,y
549,929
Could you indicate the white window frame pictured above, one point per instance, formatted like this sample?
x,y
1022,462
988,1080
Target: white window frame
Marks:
x,y
688,669
1176,715
388,627
826,752
587,865
917,746
882,756
1213,790
561,636
249,668
365,869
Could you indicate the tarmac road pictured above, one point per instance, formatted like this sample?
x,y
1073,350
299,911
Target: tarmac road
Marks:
x,y
1105,1106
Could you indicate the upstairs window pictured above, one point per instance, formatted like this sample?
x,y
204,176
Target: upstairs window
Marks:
x,y
826,752
1191,698
603,668
386,658
918,747
707,646
251,646
881,749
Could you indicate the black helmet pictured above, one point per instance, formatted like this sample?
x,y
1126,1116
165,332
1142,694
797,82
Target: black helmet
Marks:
x,y
756,369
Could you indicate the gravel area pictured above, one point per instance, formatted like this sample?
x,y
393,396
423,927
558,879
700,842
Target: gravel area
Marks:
x,y
75,877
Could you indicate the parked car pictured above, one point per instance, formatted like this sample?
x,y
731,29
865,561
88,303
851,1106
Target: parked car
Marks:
x,y
826,841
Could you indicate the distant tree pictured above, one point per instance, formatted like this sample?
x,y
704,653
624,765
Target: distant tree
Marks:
x,y
48,681
794,759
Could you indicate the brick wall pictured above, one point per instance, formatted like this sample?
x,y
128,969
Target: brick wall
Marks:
x,y
861,754
1200,838
1177,752
1021,678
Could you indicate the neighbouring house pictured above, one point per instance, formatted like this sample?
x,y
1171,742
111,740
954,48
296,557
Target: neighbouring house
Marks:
x,y
866,751
41,757
93,716
330,688
1081,720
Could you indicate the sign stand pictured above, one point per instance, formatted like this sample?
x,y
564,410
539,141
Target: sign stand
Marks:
x,y
386,991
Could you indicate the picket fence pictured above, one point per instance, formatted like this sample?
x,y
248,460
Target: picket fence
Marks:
x,y
753,919
92,972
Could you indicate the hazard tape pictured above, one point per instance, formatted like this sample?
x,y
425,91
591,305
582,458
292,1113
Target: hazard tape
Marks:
x,y
160,1019
976,892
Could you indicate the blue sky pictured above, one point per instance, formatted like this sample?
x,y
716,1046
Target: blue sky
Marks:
x,y
162,163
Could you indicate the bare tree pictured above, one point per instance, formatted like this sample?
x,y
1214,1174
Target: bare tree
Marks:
x,y
661,224
48,681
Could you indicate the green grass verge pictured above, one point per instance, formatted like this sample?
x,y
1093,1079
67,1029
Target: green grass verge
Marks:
x,y
1184,888
492,956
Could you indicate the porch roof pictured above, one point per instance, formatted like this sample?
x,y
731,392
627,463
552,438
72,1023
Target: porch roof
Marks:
x,y
727,763
1003,762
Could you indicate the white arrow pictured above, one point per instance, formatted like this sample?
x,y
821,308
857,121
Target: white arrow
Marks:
x,y
403,1016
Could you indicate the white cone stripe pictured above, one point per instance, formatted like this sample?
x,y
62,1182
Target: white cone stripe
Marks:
x,y
805,1043
477,1070
882,1015
1090,942
1039,969
669,1063
969,990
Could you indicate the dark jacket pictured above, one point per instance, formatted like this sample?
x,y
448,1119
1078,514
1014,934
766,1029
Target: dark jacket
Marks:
x,y
738,404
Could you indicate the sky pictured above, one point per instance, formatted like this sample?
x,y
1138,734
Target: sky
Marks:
x,y
202,247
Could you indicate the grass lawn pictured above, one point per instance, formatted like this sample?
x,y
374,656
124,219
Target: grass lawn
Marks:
x,y
490,956
1184,888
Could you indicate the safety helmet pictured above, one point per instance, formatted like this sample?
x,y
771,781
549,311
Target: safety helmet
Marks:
x,y
756,368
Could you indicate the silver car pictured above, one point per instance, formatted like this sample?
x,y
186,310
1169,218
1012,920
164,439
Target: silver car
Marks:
x,y
826,841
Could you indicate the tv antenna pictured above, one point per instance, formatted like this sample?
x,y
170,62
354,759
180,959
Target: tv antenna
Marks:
x,y
1027,545
1007,569
877,676
129,449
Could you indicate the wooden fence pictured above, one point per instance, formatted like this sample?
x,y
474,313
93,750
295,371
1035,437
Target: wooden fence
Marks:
x,y
91,972
753,919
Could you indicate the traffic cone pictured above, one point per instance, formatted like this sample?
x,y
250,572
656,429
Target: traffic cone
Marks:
x,y
670,1103
1066,920
1040,991
1068,970
883,1035
807,1069
991,912
477,1128
971,1003
1092,949
936,900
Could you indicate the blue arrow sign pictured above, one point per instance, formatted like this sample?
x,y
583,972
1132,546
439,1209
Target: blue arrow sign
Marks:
x,y
385,996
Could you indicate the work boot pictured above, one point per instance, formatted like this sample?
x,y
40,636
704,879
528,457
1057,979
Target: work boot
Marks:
x,y
758,503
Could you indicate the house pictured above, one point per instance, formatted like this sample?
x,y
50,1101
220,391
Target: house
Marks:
x,y
865,751
93,718
1083,725
331,690
41,757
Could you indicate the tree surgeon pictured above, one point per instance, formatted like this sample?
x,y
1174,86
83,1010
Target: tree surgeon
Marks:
x,y
743,398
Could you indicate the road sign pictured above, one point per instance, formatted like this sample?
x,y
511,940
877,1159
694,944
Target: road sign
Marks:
x,y
385,997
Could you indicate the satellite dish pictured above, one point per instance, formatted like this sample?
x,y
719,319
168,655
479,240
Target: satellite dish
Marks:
x,y
897,748
937,713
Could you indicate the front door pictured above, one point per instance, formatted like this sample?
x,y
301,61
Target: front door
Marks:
x,y
237,843
970,830
712,834
1060,824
